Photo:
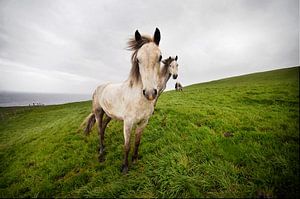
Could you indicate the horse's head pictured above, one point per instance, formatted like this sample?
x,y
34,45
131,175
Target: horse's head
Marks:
x,y
172,65
173,68
147,58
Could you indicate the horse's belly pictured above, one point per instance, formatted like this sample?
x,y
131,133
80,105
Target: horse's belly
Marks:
x,y
112,110
111,104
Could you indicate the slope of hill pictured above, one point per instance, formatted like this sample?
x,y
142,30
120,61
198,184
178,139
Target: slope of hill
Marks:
x,y
236,137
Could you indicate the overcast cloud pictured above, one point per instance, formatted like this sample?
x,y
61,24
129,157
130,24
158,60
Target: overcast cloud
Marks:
x,y
72,46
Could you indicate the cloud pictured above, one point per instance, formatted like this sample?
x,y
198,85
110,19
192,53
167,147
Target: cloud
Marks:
x,y
40,79
80,44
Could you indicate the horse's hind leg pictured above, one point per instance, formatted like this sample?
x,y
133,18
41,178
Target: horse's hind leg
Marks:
x,y
99,117
106,119
105,123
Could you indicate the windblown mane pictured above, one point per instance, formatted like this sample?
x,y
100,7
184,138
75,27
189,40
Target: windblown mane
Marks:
x,y
166,65
134,46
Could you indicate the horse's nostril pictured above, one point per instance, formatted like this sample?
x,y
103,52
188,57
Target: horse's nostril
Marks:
x,y
155,91
144,92
175,76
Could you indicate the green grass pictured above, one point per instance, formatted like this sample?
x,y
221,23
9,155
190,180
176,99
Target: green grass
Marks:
x,y
237,137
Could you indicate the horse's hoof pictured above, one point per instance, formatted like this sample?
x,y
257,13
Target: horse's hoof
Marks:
x,y
101,158
124,169
136,158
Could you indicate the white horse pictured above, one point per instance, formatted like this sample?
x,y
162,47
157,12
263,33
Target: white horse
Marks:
x,y
170,68
133,100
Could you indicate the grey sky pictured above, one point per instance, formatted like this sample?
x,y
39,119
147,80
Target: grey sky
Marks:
x,y
72,46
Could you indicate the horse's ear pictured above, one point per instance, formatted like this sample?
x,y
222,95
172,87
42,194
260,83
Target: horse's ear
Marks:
x,y
176,58
157,36
137,35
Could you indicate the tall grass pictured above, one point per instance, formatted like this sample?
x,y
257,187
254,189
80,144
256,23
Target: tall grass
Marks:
x,y
237,137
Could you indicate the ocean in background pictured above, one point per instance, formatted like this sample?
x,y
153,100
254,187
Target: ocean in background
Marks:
x,y
8,99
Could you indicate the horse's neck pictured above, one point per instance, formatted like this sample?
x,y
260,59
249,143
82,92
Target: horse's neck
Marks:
x,y
131,85
167,77
164,78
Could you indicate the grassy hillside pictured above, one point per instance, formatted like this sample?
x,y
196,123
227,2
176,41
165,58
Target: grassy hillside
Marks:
x,y
237,137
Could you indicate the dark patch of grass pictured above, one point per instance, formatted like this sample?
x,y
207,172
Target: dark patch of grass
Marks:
x,y
237,137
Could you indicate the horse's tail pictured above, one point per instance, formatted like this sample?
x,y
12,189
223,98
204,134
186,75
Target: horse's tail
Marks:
x,y
89,122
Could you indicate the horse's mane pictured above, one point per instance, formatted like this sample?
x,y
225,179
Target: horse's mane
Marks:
x,y
134,46
166,63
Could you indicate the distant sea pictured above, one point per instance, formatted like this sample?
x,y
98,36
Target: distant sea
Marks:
x,y
8,99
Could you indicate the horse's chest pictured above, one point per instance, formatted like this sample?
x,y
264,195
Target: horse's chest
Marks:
x,y
145,113
140,111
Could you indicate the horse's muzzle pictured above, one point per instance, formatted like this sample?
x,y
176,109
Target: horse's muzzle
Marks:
x,y
175,76
150,95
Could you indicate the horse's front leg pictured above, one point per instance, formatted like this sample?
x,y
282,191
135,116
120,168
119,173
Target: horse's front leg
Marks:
x,y
138,135
127,129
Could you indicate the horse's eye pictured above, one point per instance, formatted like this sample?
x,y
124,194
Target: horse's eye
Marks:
x,y
137,60
160,57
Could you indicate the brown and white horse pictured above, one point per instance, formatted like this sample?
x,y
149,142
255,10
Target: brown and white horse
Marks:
x,y
133,100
